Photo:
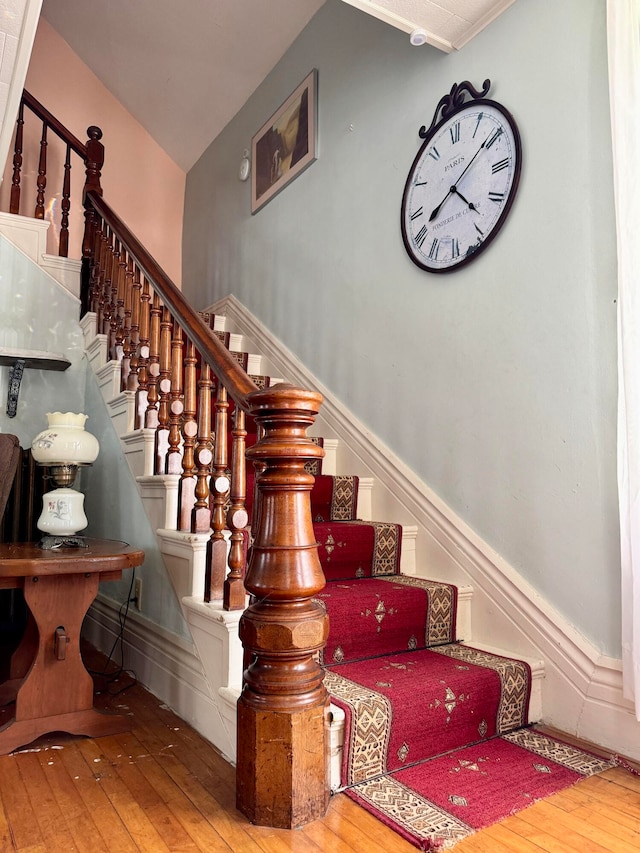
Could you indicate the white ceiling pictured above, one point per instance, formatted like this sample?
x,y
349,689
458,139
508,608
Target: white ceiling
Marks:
x,y
184,69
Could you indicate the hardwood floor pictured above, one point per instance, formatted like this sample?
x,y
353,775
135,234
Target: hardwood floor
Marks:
x,y
161,787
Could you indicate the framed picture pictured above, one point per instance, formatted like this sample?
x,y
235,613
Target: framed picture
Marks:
x,y
286,144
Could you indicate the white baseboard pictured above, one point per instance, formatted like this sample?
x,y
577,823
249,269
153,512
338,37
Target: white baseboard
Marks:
x,y
168,667
583,689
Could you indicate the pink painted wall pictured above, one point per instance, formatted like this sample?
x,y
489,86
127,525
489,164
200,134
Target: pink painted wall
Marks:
x,y
140,181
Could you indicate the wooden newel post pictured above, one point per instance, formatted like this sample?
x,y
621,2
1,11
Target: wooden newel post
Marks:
x,y
282,775
93,169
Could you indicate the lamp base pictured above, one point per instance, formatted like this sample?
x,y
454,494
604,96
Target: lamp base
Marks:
x,y
49,543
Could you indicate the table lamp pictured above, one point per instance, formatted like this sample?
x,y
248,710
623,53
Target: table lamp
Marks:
x,y
62,448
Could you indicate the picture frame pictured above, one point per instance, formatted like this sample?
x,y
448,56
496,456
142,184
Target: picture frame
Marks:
x,y
286,144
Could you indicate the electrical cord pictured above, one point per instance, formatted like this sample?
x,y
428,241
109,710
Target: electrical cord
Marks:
x,y
111,677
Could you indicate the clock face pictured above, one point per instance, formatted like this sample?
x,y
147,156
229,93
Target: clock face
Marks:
x,y
461,186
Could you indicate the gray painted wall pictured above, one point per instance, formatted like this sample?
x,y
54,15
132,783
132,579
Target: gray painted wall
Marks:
x,y
496,384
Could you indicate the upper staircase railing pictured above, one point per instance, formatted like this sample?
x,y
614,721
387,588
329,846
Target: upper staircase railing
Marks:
x,y
202,405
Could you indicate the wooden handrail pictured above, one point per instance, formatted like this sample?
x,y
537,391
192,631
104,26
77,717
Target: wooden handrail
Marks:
x,y
225,367
56,126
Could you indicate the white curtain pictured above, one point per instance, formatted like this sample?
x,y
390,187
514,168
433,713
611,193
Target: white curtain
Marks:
x,y
623,34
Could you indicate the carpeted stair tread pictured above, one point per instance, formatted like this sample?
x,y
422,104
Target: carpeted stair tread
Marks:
x,y
380,616
404,708
439,802
358,549
333,498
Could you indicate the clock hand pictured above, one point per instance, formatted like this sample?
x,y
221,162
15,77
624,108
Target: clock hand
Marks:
x,y
470,204
436,210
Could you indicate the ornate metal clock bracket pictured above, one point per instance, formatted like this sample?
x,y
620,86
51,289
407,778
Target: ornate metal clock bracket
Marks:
x,y
449,103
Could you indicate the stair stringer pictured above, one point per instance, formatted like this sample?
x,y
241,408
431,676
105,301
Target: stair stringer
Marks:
x,y
583,688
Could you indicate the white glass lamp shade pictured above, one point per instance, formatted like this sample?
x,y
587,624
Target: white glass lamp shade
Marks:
x,y
65,441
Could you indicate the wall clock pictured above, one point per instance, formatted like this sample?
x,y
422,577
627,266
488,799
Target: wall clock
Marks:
x,y
462,182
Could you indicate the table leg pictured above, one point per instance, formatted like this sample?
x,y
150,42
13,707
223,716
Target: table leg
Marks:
x,y
21,661
57,691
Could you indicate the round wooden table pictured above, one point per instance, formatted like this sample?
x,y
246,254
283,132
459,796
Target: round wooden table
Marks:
x,y
48,680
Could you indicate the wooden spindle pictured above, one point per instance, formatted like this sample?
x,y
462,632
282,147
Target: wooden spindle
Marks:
x,y
93,267
63,247
128,346
237,518
164,389
143,358
201,518
176,403
153,370
282,775
14,204
219,489
133,275
106,283
41,180
100,286
186,492
119,283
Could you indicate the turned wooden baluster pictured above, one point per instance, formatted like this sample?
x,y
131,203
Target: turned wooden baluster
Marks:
x,y
106,282
65,204
237,518
93,166
201,518
128,346
14,204
153,369
100,283
164,388
119,283
92,264
135,346
41,180
217,562
143,359
176,403
282,777
187,489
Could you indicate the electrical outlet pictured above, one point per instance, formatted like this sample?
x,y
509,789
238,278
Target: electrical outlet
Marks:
x,y
137,593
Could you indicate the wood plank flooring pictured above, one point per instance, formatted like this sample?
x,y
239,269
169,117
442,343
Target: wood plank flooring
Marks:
x,y
161,787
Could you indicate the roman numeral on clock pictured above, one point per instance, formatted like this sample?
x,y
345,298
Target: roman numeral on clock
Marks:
x,y
421,236
454,130
434,153
497,197
417,213
500,165
433,251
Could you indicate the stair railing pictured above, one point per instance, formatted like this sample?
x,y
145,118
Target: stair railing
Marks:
x,y
184,383
147,323
84,151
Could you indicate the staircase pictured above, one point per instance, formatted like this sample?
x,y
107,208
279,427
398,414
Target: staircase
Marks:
x,y
155,363
352,546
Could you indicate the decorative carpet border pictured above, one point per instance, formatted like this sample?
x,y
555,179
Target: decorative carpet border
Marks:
x,y
443,606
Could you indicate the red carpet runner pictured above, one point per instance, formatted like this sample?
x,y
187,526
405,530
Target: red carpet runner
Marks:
x,y
439,802
435,742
